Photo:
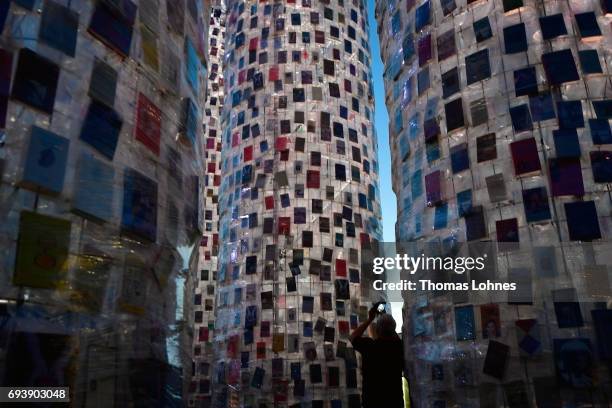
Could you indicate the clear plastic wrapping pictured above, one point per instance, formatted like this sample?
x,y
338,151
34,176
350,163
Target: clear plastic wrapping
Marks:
x,y
100,176
206,287
299,202
498,128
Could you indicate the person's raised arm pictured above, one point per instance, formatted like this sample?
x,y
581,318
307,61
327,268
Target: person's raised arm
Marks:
x,y
358,332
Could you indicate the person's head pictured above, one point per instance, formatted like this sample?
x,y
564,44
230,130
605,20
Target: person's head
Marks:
x,y
385,326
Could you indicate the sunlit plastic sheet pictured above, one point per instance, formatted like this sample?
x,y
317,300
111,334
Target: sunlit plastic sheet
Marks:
x,y
99,202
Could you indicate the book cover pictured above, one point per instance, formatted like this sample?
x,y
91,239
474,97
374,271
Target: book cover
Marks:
x,y
45,162
42,251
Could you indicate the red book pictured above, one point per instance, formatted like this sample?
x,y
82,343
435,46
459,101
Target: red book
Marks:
x,y
248,153
312,179
203,334
232,346
148,124
525,156
284,225
507,230
340,267
269,202
273,74
261,350
281,143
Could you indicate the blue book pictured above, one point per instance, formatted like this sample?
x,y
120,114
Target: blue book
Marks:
x,y
602,321
190,120
101,129
589,61
307,329
296,371
535,202
191,65
552,26
244,359
464,323
582,221
250,317
477,66
464,202
574,362
4,8
93,194
422,16
58,27
587,24
515,38
441,216
600,131
603,109
35,81
139,216
525,81
566,143
249,336
570,114
541,106
560,67
601,162
27,4
114,26
460,159
482,29
45,165
521,118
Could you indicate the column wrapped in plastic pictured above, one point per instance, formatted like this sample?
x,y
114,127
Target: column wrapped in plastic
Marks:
x,y
100,161
205,288
298,202
499,129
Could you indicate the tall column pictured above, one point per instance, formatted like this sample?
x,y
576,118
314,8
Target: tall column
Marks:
x,y
299,201
205,292
499,131
100,113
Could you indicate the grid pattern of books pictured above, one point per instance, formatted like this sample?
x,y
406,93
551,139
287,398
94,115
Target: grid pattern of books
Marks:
x,y
500,132
100,128
299,201
205,292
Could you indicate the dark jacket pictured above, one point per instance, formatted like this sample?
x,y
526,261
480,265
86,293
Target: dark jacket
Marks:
x,y
382,368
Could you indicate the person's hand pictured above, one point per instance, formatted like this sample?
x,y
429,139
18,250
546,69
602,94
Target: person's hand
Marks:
x,y
373,312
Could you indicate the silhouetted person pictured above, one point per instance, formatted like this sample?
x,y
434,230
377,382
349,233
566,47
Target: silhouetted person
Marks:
x,y
382,361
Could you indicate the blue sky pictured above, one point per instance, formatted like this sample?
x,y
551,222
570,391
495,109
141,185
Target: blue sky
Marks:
x,y
381,118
